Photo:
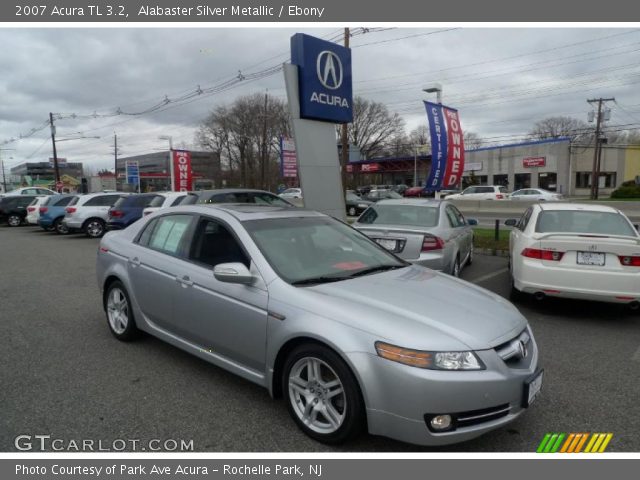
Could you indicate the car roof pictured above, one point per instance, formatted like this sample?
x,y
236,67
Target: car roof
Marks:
x,y
247,211
421,202
593,207
231,190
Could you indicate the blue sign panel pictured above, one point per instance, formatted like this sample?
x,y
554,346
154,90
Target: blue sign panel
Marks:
x,y
133,173
438,146
324,76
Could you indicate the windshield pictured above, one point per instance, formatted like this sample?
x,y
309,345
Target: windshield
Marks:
x,y
581,221
312,250
401,215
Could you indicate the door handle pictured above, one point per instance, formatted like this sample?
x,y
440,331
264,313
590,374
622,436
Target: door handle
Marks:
x,y
185,281
134,262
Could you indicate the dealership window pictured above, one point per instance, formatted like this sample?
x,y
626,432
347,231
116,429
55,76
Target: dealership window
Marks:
x,y
522,180
607,180
502,179
474,180
548,181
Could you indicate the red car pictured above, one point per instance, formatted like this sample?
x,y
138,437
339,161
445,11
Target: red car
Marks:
x,y
415,192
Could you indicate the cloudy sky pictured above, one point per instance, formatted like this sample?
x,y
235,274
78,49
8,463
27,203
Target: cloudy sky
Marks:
x,y
502,80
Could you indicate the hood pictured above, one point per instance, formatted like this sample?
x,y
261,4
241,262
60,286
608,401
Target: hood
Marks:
x,y
419,308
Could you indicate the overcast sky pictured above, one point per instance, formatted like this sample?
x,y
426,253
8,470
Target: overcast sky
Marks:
x,y
502,80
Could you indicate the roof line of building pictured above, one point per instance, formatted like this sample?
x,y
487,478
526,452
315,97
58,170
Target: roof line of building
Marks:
x,y
523,144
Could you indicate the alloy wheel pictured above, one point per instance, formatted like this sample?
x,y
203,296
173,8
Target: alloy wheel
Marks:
x,y
95,228
117,310
14,221
317,395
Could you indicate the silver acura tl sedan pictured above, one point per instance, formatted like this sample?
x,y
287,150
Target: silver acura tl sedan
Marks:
x,y
431,233
351,336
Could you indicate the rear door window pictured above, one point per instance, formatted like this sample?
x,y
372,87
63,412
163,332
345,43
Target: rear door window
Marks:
x,y
168,234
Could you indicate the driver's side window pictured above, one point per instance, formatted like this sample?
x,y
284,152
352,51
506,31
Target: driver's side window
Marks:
x,y
214,244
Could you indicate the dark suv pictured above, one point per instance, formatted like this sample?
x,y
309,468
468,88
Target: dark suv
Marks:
x,y
129,209
13,209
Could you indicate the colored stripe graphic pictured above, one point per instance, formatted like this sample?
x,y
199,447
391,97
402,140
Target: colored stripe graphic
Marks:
x,y
574,442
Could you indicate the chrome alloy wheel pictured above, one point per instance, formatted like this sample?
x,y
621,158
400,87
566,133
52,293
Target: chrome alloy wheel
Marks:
x,y
317,395
14,221
95,228
118,311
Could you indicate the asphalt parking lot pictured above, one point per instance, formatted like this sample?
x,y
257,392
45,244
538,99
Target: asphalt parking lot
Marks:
x,y
63,374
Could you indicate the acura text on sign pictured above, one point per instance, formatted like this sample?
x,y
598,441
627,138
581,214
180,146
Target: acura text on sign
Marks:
x,y
182,176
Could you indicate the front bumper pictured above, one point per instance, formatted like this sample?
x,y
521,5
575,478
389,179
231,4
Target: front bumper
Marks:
x,y
398,397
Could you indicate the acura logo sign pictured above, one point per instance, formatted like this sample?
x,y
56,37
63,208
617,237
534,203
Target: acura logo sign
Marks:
x,y
329,69
522,347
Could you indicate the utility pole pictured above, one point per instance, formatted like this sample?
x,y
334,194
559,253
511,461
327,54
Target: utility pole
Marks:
x,y
115,159
345,140
595,171
4,176
263,165
55,153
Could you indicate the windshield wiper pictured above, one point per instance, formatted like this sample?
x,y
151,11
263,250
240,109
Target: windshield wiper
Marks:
x,y
317,280
379,268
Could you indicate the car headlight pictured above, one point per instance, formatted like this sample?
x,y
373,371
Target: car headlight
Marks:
x,y
430,360
362,205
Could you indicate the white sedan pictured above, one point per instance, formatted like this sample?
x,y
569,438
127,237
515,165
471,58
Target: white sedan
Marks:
x,y
536,195
164,200
291,193
580,251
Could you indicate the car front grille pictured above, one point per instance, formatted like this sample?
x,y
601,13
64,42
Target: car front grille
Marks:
x,y
517,352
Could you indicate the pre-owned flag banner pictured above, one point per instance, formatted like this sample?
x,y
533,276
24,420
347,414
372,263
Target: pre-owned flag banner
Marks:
x,y
438,145
447,147
455,149
181,171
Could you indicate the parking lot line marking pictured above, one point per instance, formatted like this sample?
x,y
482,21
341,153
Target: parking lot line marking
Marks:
x,y
486,277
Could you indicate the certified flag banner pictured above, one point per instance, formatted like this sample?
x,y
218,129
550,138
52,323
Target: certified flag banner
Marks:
x,y
181,171
447,147
439,139
455,149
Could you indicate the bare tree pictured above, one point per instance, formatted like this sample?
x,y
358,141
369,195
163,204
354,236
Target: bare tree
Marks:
x,y
374,127
472,140
420,135
556,127
244,147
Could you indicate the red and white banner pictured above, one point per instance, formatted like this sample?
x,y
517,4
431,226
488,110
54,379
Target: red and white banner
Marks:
x,y
455,149
370,167
182,176
534,162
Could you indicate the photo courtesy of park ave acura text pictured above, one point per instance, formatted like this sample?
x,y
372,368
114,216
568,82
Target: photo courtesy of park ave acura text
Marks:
x,y
316,238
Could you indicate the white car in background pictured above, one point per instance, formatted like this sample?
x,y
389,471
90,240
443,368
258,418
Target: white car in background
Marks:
x,y
536,194
291,193
164,200
580,251
33,210
29,191
481,192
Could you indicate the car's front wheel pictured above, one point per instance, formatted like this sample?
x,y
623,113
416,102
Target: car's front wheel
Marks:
x,y
119,313
322,394
14,220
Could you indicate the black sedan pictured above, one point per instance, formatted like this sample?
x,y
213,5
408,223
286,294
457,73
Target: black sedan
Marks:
x,y
355,204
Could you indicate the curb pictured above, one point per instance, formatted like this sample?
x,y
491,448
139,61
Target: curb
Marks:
x,y
491,251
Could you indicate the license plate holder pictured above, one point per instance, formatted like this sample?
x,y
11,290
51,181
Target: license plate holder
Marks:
x,y
532,388
590,258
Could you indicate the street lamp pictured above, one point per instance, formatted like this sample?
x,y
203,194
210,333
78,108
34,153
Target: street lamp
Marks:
x,y
434,88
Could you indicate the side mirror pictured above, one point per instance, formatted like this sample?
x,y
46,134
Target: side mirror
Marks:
x,y
510,222
472,221
233,273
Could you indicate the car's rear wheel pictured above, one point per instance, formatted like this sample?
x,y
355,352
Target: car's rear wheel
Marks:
x,y
119,313
59,227
455,270
322,394
94,228
14,220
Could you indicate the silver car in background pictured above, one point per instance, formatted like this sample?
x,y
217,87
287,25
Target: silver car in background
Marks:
x,y
349,335
430,233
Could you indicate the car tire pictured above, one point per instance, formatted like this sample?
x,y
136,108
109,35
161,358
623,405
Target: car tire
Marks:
x,y
59,227
14,220
352,211
119,313
94,228
455,269
470,257
322,394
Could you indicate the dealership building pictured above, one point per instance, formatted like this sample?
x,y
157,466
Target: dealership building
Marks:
x,y
555,164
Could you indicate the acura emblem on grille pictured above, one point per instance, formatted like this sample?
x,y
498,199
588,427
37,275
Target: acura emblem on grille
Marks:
x,y
523,349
